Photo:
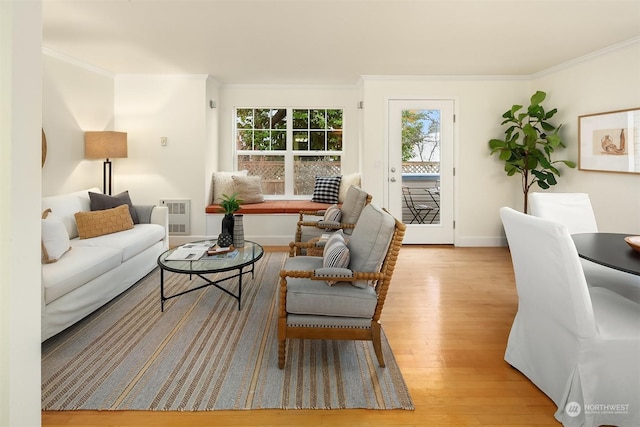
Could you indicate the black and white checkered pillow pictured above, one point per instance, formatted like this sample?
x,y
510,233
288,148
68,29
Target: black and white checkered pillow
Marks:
x,y
326,189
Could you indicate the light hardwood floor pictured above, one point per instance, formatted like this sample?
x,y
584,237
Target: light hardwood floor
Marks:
x,y
447,318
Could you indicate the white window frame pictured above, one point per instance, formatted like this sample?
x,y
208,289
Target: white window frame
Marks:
x,y
289,153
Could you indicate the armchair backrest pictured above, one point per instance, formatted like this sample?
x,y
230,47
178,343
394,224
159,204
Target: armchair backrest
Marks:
x,y
549,277
376,234
354,202
573,210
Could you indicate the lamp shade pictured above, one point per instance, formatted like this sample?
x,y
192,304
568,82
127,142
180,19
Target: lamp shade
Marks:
x,y
105,145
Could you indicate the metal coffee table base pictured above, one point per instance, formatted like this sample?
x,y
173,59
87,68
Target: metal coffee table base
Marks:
x,y
207,283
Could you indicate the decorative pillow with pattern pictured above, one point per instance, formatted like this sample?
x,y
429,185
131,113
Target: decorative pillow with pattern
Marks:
x,y
333,213
326,189
336,253
107,221
55,239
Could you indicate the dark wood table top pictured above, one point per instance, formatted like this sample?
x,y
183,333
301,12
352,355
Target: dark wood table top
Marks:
x,y
608,249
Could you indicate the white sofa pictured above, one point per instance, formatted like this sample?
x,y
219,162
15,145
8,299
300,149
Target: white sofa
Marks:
x,y
97,269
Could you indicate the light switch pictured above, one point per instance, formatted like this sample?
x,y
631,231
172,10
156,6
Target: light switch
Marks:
x,y
163,140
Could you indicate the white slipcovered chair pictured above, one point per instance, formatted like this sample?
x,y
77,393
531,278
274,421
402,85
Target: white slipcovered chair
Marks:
x,y
340,295
579,345
574,211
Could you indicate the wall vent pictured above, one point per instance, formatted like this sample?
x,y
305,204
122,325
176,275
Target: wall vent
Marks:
x,y
179,215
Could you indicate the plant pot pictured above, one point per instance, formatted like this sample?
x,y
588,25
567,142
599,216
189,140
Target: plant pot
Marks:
x,y
227,224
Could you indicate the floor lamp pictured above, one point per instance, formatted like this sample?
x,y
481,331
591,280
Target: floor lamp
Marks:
x,y
105,145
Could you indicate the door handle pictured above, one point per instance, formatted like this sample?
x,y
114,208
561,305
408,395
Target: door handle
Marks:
x,y
393,169
392,179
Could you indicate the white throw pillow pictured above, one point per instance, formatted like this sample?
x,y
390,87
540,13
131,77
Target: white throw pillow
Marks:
x,y
223,184
55,238
346,182
249,188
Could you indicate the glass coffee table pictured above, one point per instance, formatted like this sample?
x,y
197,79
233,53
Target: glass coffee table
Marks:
x,y
244,262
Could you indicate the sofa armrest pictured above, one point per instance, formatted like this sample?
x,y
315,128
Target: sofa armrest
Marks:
x,y
160,216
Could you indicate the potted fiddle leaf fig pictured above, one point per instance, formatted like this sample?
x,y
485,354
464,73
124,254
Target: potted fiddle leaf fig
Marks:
x,y
530,139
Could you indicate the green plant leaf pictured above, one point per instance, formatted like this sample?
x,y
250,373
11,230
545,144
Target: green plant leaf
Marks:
x,y
538,97
505,155
547,126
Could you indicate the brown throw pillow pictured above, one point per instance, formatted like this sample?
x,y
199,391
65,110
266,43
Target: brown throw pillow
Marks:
x,y
97,223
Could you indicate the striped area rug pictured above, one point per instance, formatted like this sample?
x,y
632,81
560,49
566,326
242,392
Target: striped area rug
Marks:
x,y
203,354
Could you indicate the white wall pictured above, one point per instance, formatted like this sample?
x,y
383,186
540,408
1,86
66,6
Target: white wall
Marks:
x,y
76,98
480,184
608,81
175,107
20,190
201,138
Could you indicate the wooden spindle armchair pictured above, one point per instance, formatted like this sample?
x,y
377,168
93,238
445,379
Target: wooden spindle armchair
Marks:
x,y
321,298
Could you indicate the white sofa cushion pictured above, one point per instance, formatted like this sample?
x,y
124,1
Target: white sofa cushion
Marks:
x,y
130,242
76,268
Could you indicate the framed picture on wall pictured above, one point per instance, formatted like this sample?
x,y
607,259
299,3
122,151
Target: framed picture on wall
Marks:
x,y
610,142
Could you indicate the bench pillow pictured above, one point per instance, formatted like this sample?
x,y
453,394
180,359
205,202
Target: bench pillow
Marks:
x,y
248,188
222,183
326,189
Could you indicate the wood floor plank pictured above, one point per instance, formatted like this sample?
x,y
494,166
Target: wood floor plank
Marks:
x,y
447,318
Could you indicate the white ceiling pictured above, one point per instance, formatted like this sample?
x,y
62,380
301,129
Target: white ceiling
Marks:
x,y
334,41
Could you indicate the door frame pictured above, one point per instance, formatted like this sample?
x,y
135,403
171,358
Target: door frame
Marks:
x,y
419,238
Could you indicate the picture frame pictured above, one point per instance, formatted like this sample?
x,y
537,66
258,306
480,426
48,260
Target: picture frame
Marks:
x,y
610,141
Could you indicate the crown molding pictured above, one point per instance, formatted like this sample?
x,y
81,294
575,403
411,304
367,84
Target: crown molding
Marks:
x,y
77,62
583,58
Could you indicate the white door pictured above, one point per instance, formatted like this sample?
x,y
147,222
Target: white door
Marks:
x,y
420,168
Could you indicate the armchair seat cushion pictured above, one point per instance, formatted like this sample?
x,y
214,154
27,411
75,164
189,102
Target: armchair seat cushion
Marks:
x,y
314,297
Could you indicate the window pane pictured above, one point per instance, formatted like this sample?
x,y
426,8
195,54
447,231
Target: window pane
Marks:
x,y
245,139
334,141
263,119
318,119
334,119
317,140
278,140
300,140
244,118
261,140
306,168
301,119
279,119
270,168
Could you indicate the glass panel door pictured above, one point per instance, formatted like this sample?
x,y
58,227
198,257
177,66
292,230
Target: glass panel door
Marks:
x,y
421,168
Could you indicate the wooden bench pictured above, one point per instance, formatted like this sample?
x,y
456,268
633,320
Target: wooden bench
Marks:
x,y
273,207
272,222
